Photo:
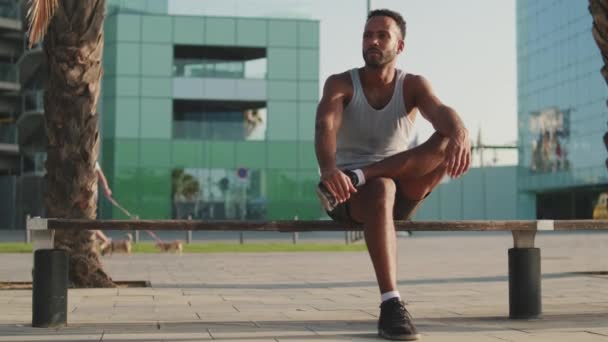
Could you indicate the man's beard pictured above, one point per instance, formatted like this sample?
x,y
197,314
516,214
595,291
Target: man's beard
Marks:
x,y
384,58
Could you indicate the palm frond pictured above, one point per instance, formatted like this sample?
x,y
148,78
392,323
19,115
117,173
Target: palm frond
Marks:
x,y
39,15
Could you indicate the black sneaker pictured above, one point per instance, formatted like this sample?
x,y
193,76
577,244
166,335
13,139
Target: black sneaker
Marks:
x,y
328,201
395,322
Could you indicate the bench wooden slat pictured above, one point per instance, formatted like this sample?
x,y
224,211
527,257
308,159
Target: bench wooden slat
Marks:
x,y
579,224
310,226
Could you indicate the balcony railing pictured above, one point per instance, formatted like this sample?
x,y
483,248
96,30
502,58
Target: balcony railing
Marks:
x,y
254,69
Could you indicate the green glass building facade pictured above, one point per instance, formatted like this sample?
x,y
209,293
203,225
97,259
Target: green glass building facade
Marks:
x,y
209,117
561,109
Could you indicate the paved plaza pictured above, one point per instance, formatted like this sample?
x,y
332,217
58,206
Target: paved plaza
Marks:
x,y
456,286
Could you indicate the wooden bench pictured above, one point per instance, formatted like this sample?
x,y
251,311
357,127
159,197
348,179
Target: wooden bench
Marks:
x,y
523,259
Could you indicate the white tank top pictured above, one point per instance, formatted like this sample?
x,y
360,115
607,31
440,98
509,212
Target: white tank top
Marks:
x,y
368,135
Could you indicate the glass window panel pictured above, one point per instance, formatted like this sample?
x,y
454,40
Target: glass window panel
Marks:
x,y
157,60
308,34
307,156
127,117
218,193
186,153
155,193
189,30
156,118
109,58
155,153
215,120
282,155
157,87
308,65
306,120
128,59
127,86
157,29
220,31
282,64
128,27
283,90
251,154
126,152
251,32
221,154
308,91
282,33
282,185
282,121
307,183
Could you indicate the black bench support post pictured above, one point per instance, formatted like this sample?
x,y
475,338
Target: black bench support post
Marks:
x,y
524,283
50,288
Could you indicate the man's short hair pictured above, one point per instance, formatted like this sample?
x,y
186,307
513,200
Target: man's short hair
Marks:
x,y
391,14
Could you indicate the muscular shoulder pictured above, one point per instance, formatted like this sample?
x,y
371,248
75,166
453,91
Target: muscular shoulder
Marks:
x,y
414,87
338,87
339,83
413,82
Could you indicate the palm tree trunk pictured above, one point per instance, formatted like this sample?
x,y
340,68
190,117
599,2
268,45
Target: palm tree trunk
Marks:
x,y
599,12
73,48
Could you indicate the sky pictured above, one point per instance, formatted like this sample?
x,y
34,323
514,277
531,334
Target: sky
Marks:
x,y
466,49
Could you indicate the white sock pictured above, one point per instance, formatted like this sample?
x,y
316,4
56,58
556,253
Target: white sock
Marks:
x,y
389,295
360,176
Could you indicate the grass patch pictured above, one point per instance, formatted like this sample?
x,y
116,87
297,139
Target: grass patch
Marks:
x,y
15,247
19,247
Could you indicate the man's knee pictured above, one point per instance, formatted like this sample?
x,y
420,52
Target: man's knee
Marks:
x,y
382,193
374,200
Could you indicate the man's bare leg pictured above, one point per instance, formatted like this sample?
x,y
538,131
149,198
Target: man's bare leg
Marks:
x,y
410,164
421,170
373,205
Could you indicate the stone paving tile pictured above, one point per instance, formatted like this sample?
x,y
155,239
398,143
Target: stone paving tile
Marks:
x,y
328,315
260,334
158,336
242,317
47,337
566,336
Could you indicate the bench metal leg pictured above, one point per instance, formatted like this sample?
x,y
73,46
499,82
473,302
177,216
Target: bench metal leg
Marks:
x,y
50,288
524,277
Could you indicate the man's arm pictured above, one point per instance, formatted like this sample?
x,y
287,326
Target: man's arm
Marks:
x,y
328,121
446,121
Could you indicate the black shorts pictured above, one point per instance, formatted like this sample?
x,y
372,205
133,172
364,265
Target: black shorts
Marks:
x,y
404,209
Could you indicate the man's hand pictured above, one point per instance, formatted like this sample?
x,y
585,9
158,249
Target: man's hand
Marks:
x,y
338,184
458,154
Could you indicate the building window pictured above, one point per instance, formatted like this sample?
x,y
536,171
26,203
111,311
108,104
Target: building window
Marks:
x,y
219,120
220,62
218,194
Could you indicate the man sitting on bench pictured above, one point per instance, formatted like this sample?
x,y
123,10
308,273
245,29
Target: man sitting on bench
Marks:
x,y
364,122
